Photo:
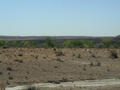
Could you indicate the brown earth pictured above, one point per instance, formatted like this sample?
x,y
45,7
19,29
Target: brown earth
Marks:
x,y
24,66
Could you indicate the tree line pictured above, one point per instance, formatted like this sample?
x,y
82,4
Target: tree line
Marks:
x,y
68,44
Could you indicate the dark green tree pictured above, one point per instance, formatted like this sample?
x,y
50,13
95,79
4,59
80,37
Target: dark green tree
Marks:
x,y
49,42
2,43
106,43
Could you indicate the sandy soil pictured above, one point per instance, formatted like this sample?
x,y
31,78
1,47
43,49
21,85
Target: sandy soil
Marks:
x,y
19,66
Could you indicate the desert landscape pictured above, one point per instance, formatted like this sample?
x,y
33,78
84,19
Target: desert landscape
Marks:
x,y
59,44
26,66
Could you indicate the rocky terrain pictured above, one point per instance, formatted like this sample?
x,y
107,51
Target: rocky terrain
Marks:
x,y
19,66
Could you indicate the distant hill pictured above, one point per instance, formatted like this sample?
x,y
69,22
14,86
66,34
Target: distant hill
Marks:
x,y
116,38
57,38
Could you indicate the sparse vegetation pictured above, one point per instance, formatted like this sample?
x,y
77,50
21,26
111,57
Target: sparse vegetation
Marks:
x,y
95,64
53,81
114,54
19,61
64,80
9,69
48,42
59,53
91,64
78,56
1,73
20,54
32,88
98,64
60,60
10,78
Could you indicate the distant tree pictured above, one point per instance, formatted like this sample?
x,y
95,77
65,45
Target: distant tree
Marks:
x,y
2,43
116,44
49,42
106,43
26,44
76,43
84,44
14,43
20,43
68,43
90,44
80,43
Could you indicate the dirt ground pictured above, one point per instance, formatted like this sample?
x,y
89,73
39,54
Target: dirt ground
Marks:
x,y
24,66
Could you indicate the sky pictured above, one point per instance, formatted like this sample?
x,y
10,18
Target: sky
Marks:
x,y
60,17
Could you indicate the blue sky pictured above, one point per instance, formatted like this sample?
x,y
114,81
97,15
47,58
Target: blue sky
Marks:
x,y
60,17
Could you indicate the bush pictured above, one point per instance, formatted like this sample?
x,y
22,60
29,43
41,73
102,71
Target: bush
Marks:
x,y
59,53
114,54
31,88
60,60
